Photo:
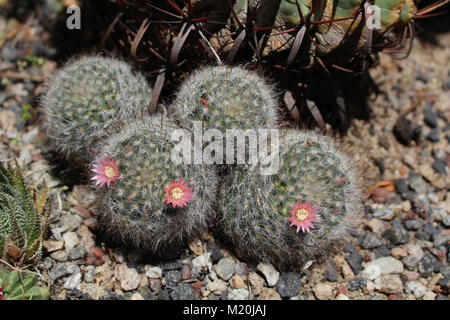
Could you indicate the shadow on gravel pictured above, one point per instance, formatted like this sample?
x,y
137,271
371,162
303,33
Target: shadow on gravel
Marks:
x,y
66,171
427,29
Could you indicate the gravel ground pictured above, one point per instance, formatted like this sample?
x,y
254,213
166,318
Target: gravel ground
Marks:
x,y
400,250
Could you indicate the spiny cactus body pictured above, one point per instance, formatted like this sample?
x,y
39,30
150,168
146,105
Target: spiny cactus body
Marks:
x,y
223,97
89,99
154,203
22,220
346,30
331,24
21,286
298,213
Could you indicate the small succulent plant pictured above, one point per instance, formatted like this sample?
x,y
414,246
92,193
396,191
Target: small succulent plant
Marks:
x,y
224,97
89,99
145,198
15,285
297,214
22,220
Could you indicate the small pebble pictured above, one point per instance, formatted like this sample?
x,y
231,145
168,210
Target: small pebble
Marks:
x,y
355,261
410,262
289,284
390,284
238,294
415,288
396,235
331,273
172,278
383,266
225,268
129,277
430,117
426,265
153,272
238,282
370,240
269,294
439,166
433,136
183,292
270,273
356,283
256,283
412,224
323,291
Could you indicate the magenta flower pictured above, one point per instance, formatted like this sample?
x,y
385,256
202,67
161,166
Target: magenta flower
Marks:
x,y
205,102
107,171
178,193
303,215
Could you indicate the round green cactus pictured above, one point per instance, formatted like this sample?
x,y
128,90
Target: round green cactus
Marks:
x,y
300,211
149,200
223,97
21,286
89,99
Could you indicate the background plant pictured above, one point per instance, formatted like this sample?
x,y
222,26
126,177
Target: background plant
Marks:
x,y
22,217
303,45
21,285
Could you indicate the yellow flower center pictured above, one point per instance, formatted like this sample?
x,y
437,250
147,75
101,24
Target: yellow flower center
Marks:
x,y
176,193
301,214
110,172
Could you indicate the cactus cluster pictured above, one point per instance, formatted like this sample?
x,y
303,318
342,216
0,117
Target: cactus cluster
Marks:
x,y
149,200
262,215
224,97
15,285
22,219
141,205
89,99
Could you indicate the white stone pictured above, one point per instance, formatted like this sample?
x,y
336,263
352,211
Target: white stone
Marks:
x,y
70,240
382,266
153,272
269,272
415,288
238,294
323,291
429,296
201,262
129,277
73,282
217,286
137,296
389,284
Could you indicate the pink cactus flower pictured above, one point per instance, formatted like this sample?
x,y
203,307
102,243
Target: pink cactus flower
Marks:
x,y
107,171
178,193
205,102
303,215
